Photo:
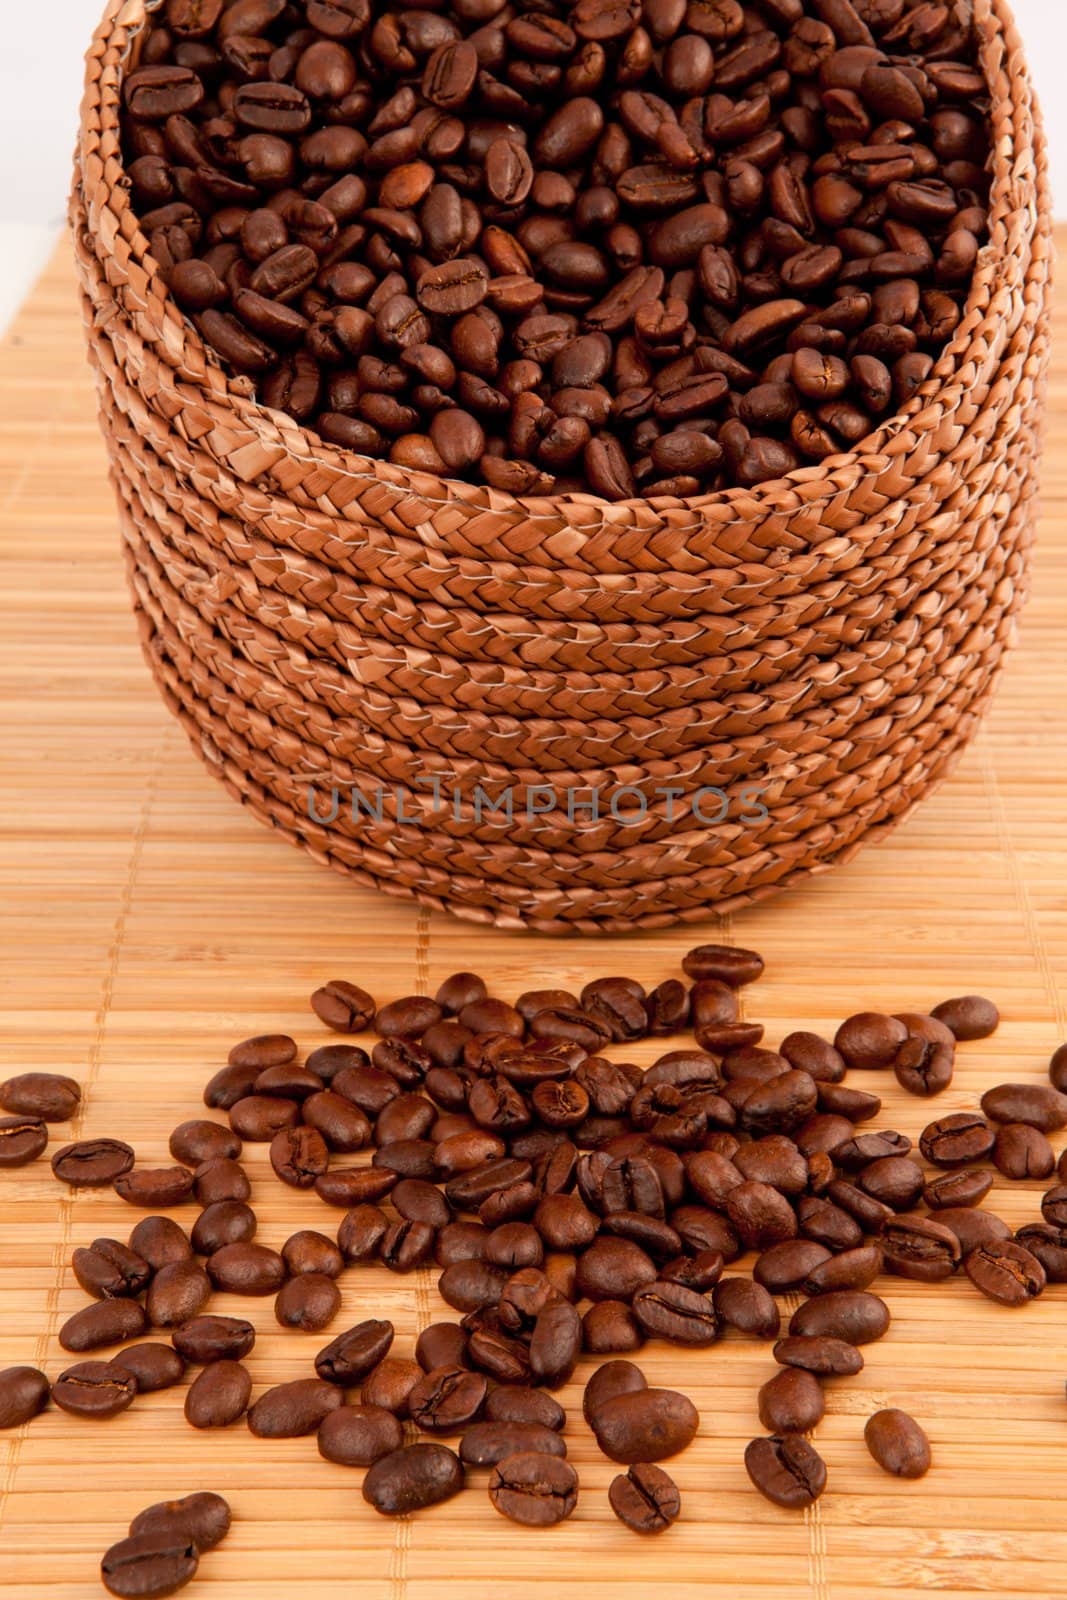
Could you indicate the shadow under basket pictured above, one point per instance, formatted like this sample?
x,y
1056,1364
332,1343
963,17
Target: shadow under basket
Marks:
x,y
819,650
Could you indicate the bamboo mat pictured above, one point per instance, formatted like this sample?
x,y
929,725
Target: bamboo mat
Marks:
x,y
148,923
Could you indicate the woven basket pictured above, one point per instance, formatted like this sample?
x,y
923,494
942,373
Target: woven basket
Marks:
x,y
320,622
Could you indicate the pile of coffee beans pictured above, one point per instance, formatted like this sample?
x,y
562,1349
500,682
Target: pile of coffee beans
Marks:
x,y
633,247
162,1551
574,1205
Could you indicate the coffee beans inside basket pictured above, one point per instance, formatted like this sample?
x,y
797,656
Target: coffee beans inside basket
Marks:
x,y
574,1207
633,249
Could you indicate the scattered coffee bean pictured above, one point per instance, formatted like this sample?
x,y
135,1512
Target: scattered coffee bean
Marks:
x,y
44,1095
91,1163
645,1498
205,1516
412,1478
786,1470
153,1366
358,1436
898,1444
94,1389
24,1391
150,1564
219,1395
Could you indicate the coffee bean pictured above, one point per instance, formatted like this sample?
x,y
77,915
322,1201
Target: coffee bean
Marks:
x,y
390,1385
747,1306
968,1017
1037,1104
150,1188
355,1353
786,1470
534,1489
177,1293
103,1323
224,1222
791,1402
644,1425
218,1396
94,1389
150,1564
1005,1271
41,1095
645,1498
852,1315
487,1443
265,1049
291,1409
152,1366
24,1391
87,1164
1022,1151
246,1268
161,1242
358,1436
826,1357
412,1478
343,1006
195,1142
205,1516
961,1188
955,1140
898,1444
203,1340
111,1270
920,1248
446,1399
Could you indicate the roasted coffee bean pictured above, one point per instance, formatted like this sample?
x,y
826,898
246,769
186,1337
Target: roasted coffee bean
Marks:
x,y
727,963
43,1095
152,1366
791,1402
446,1399
973,1227
487,1443
1047,1243
1037,1104
24,1391
193,1143
644,1424
290,1409
786,1470
898,1444
671,1311
442,1344
150,1564
534,1489
308,1251
160,1241
163,1186
412,1478
87,1164
102,1323
224,1222
747,1306
640,195
968,1017
264,1049
870,1039
361,1233
955,1140
220,1179
785,1266
308,1302
246,1268
851,1315
213,1338
961,1188
299,1156
1022,1151
353,1355
343,1006
1005,1271
826,1357
205,1516
918,1247
230,1084
645,1498
852,1269
555,1344
219,1396
177,1293
94,1389
358,1436
353,1187
111,1270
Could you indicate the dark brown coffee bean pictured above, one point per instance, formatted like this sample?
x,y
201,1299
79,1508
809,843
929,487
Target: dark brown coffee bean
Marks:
x,y
195,1142
218,1396
447,1399
343,1006
955,1140
354,1354
103,1323
291,1409
644,1424
898,1444
246,1268
358,1436
747,1306
164,1186
299,1156
791,1402
487,1443
150,1564
534,1489
962,1188
919,1247
94,1389
152,1366
412,1478
264,1049
88,1164
160,1241
177,1293
968,1017
824,1356
206,1517
851,1315
111,1270
24,1391
212,1338
309,1251
1021,1151
1038,1104
355,1186
308,1302
786,1470
42,1095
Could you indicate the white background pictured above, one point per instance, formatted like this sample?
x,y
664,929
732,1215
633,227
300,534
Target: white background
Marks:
x,y
41,46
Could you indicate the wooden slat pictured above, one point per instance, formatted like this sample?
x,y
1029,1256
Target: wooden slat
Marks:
x,y
148,923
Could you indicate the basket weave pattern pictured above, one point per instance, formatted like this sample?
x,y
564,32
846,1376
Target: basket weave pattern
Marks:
x,y
318,621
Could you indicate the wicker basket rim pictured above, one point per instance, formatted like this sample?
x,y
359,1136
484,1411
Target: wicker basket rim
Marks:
x,y
1013,194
